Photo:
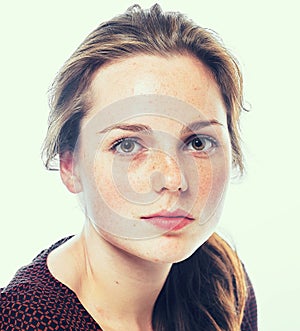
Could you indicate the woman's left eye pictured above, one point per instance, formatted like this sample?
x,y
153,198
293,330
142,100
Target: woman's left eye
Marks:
x,y
200,143
126,146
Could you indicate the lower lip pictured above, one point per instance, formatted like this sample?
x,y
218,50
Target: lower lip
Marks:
x,y
169,223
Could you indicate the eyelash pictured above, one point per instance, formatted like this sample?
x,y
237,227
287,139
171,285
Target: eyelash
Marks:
x,y
136,141
208,139
117,143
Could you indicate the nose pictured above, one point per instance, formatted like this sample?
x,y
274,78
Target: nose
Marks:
x,y
167,174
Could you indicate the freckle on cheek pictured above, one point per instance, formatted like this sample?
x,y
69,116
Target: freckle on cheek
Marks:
x,y
139,173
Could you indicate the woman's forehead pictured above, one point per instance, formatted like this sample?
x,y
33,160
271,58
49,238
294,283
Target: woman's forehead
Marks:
x,y
152,112
179,76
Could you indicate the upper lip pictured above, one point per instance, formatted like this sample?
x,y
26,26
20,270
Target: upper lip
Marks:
x,y
178,213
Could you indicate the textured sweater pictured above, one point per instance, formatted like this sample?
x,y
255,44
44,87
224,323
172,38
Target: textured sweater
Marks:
x,y
35,300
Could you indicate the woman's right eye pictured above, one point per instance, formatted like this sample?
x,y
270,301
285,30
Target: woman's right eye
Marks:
x,y
126,146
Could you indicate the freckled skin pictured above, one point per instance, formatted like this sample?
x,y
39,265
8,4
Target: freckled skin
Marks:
x,y
179,76
119,262
113,187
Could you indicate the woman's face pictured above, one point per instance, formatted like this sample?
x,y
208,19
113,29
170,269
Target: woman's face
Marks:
x,y
153,159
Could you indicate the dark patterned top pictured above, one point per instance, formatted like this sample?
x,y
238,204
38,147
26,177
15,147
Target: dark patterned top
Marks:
x,y
35,300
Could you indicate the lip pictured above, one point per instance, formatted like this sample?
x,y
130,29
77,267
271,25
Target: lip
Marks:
x,y
170,221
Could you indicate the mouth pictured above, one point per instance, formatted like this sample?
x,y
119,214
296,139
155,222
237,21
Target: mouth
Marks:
x,y
169,221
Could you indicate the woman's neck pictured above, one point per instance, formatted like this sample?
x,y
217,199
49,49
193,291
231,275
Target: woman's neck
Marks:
x,y
116,288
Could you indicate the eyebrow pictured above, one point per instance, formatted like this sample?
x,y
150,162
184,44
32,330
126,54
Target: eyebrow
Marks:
x,y
194,126
197,125
128,127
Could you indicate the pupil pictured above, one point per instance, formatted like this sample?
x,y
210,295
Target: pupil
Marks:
x,y
127,146
198,144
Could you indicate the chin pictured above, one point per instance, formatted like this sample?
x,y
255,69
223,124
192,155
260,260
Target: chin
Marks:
x,y
173,249
171,258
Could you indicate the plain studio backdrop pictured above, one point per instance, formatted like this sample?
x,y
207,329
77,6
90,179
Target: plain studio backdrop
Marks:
x,y
261,214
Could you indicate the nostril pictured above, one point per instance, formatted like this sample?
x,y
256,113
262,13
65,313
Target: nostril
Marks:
x,y
157,180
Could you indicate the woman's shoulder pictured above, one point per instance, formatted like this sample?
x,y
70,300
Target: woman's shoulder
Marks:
x,y
31,277
34,297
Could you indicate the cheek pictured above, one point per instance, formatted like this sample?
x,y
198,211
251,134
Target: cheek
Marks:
x,y
208,186
98,189
118,186
108,185
139,173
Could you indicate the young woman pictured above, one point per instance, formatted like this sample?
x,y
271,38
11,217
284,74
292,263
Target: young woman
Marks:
x,y
144,120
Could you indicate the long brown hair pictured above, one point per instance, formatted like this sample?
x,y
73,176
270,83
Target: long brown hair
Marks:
x,y
206,291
